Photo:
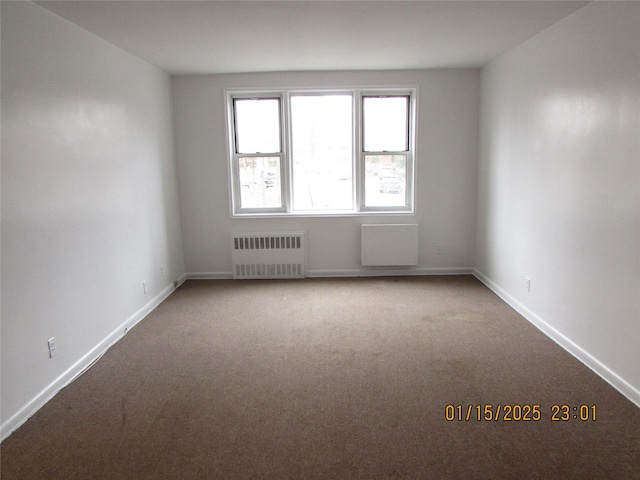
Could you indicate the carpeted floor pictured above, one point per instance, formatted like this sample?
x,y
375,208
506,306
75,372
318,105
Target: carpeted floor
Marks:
x,y
330,379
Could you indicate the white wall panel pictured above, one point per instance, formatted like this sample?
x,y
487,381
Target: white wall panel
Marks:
x,y
390,245
89,198
446,159
559,184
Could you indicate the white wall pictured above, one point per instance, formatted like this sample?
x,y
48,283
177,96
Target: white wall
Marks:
x,y
89,200
445,172
559,185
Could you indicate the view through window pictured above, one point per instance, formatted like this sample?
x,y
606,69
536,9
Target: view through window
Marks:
x,y
322,152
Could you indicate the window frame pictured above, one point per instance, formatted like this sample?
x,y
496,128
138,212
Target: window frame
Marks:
x,y
235,156
410,153
359,206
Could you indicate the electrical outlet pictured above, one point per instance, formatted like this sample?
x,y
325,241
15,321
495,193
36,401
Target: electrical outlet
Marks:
x,y
527,284
144,287
52,347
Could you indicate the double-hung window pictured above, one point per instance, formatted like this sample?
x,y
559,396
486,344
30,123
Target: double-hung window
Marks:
x,y
321,152
258,158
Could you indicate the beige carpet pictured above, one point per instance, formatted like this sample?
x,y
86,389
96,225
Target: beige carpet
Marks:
x,y
328,378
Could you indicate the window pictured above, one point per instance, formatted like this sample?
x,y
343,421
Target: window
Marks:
x,y
258,153
321,152
385,149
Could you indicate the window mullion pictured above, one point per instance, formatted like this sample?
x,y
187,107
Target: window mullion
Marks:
x,y
235,188
357,152
408,194
287,163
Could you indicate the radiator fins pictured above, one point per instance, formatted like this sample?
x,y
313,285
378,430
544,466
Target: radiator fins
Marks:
x,y
268,255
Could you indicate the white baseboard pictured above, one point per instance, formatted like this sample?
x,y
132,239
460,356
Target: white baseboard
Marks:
x,y
179,281
210,276
360,272
82,365
389,272
565,342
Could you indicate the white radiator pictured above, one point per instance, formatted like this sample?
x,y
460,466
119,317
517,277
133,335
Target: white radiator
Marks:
x,y
389,245
268,255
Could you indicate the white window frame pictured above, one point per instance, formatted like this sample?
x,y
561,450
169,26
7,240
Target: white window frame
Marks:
x,y
409,183
286,161
235,155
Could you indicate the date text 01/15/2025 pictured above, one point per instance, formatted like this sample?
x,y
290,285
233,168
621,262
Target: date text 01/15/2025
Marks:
x,y
519,413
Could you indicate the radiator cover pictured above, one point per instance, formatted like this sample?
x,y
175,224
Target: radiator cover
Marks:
x,y
268,255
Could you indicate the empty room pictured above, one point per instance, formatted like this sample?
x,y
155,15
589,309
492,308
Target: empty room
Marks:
x,y
320,239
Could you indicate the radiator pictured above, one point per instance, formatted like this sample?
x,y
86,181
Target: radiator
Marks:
x,y
268,255
389,245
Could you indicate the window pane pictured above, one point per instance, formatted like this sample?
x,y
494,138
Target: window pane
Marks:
x,y
321,127
386,124
385,180
257,125
259,182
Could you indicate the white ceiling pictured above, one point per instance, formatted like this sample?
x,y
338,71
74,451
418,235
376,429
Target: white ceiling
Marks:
x,y
257,36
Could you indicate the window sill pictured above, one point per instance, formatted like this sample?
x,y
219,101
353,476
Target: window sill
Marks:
x,y
327,214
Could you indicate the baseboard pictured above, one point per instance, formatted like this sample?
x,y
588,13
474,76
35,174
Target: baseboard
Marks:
x,y
209,276
389,272
82,365
565,342
179,281
360,272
